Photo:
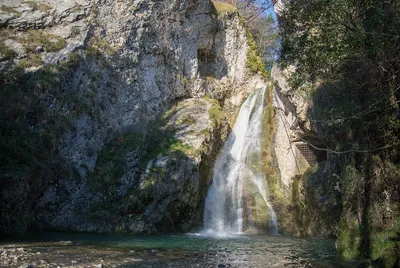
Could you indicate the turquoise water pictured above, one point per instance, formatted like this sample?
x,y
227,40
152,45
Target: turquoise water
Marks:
x,y
190,250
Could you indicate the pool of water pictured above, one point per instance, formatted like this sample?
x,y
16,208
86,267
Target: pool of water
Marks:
x,y
186,250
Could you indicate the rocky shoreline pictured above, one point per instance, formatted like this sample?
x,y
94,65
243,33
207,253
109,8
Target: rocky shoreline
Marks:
x,y
69,254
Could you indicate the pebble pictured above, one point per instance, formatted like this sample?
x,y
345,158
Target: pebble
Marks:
x,y
25,265
99,265
74,262
39,49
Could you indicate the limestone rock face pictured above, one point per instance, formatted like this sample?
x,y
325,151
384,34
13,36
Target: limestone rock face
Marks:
x,y
155,85
290,121
290,108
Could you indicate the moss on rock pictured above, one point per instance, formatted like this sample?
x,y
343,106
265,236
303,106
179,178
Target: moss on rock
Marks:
x,y
223,8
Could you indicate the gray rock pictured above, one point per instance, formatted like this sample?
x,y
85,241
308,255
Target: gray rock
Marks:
x,y
291,108
39,49
17,47
156,54
25,265
5,18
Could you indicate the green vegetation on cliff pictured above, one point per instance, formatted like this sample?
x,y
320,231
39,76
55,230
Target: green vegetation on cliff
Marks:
x,y
347,60
8,9
255,62
33,120
261,32
111,161
275,194
222,7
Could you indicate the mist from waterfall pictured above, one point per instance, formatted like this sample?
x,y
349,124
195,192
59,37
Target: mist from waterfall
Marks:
x,y
238,169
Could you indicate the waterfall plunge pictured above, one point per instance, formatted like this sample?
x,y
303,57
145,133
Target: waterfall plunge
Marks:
x,y
237,166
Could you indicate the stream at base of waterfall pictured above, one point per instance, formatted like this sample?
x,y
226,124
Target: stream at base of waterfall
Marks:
x,y
64,249
236,203
237,197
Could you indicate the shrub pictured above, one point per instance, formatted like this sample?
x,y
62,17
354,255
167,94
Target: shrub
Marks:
x,y
8,9
221,7
7,52
111,161
254,62
32,60
34,38
97,48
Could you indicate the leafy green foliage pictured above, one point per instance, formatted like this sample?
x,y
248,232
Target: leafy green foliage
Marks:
x,y
29,127
261,32
160,140
349,238
254,61
34,115
111,161
275,194
320,35
264,31
346,55
215,111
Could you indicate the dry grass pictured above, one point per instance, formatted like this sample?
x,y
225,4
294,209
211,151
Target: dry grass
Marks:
x,y
6,52
32,60
38,6
224,7
33,38
97,47
8,9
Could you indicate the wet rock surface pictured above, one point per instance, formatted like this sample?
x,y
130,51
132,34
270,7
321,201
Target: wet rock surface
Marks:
x,y
172,251
119,76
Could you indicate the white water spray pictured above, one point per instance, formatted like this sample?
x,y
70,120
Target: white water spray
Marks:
x,y
238,164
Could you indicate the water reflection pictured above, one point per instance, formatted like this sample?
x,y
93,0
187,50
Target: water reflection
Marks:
x,y
191,250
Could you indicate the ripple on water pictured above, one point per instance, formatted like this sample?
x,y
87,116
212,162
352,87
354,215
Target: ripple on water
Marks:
x,y
190,250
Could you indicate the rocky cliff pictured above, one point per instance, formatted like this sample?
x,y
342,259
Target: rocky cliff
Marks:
x,y
312,205
114,111
351,191
306,205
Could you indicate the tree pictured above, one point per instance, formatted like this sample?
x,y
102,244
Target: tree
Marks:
x,y
320,35
262,25
347,58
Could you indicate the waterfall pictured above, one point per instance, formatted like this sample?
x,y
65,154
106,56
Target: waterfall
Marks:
x,y
259,181
237,167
